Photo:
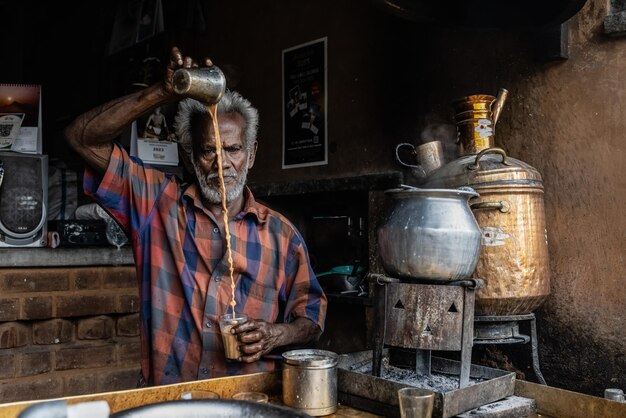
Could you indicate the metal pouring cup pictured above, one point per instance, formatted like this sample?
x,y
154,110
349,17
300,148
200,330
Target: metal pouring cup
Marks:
x,y
429,157
205,84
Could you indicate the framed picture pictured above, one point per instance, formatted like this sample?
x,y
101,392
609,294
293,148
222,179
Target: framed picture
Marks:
x,y
305,135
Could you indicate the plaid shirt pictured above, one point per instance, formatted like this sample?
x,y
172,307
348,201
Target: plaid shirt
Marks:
x,y
183,273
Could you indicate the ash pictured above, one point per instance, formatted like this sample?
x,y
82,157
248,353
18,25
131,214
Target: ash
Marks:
x,y
436,381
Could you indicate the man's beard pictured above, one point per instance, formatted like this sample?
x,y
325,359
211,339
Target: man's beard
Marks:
x,y
212,193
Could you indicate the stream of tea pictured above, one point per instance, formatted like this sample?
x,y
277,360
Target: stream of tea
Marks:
x,y
220,174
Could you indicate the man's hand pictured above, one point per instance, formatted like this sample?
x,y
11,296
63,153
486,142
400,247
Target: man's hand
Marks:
x,y
177,60
258,337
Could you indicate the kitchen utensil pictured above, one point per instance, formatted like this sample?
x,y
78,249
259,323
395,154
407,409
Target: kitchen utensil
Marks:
x,y
514,260
251,396
231,343
205,84
342,278
614,394
429,157
416,402
510,211
199,394
476,117
429,234
60,409
310,381
208,408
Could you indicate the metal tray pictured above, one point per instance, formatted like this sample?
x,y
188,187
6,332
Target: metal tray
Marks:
x,y
380,396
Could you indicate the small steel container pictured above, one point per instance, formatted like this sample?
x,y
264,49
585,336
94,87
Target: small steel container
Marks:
x,y
310,381
205,84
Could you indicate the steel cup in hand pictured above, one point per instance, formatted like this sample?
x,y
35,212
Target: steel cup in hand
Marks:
x,y
205,84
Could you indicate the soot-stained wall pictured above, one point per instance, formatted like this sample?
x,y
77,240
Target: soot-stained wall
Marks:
x,y
387,78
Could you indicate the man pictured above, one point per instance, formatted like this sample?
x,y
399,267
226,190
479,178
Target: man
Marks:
x,y
178,239
156,126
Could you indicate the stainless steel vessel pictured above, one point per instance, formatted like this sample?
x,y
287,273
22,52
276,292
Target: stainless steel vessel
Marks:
x,y
310,381
429,234
205,84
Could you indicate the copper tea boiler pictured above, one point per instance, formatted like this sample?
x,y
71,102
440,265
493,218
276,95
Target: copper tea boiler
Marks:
x,y
513,260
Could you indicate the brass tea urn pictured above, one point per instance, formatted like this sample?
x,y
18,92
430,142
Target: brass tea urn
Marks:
x,y
513,259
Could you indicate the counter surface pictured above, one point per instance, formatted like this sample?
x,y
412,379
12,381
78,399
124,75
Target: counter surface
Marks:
x,y
66,256
226,387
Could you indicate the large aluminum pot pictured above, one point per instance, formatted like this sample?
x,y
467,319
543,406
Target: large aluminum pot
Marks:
x,y
310,381
429,234
192,408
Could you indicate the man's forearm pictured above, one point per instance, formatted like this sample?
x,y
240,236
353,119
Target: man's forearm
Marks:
x,y
105,122
91,133
300,331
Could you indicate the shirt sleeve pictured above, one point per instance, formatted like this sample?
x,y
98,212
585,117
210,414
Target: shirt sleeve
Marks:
x,y
127,190
305,297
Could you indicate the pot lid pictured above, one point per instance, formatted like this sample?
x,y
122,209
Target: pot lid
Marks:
x,y
310,358
490,167
410,192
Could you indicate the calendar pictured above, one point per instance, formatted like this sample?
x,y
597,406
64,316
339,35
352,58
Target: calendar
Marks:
x,y
20,118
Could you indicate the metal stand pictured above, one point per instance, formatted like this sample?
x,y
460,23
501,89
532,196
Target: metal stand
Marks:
x,y
424,317
494,329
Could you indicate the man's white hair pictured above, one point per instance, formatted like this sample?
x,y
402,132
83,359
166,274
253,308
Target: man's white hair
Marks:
x,y
231,102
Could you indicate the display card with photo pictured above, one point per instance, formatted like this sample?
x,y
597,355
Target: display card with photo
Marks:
x,y
153,139
20,118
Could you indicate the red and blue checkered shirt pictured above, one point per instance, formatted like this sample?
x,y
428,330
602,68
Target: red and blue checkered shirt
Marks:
x,y
183,271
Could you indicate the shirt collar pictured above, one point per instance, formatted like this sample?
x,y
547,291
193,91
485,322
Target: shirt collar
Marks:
x,y
251,206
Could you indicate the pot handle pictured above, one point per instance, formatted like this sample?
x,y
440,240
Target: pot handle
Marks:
x,y
503,206
493,150
420,171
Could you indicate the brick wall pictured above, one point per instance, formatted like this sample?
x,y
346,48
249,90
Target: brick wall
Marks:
x,y
67,331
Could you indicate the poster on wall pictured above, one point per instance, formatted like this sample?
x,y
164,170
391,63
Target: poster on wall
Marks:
x,y
305,139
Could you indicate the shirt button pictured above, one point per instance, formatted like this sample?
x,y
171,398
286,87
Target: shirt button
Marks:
x,y
215,230
204,371
208,325
218,279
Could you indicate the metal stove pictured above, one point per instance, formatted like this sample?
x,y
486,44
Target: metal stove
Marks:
x,y
416,316
424,317
501,329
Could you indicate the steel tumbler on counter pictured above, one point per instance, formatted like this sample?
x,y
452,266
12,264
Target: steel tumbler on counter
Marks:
x,y
310,381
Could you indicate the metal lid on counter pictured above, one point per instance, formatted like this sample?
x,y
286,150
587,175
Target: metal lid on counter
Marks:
x,y
311,358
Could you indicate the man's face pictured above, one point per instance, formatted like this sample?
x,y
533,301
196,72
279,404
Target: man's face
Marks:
x,y
236,160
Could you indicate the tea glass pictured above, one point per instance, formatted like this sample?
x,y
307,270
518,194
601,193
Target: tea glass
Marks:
x,y
416,402
199,394
231,343
252,397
